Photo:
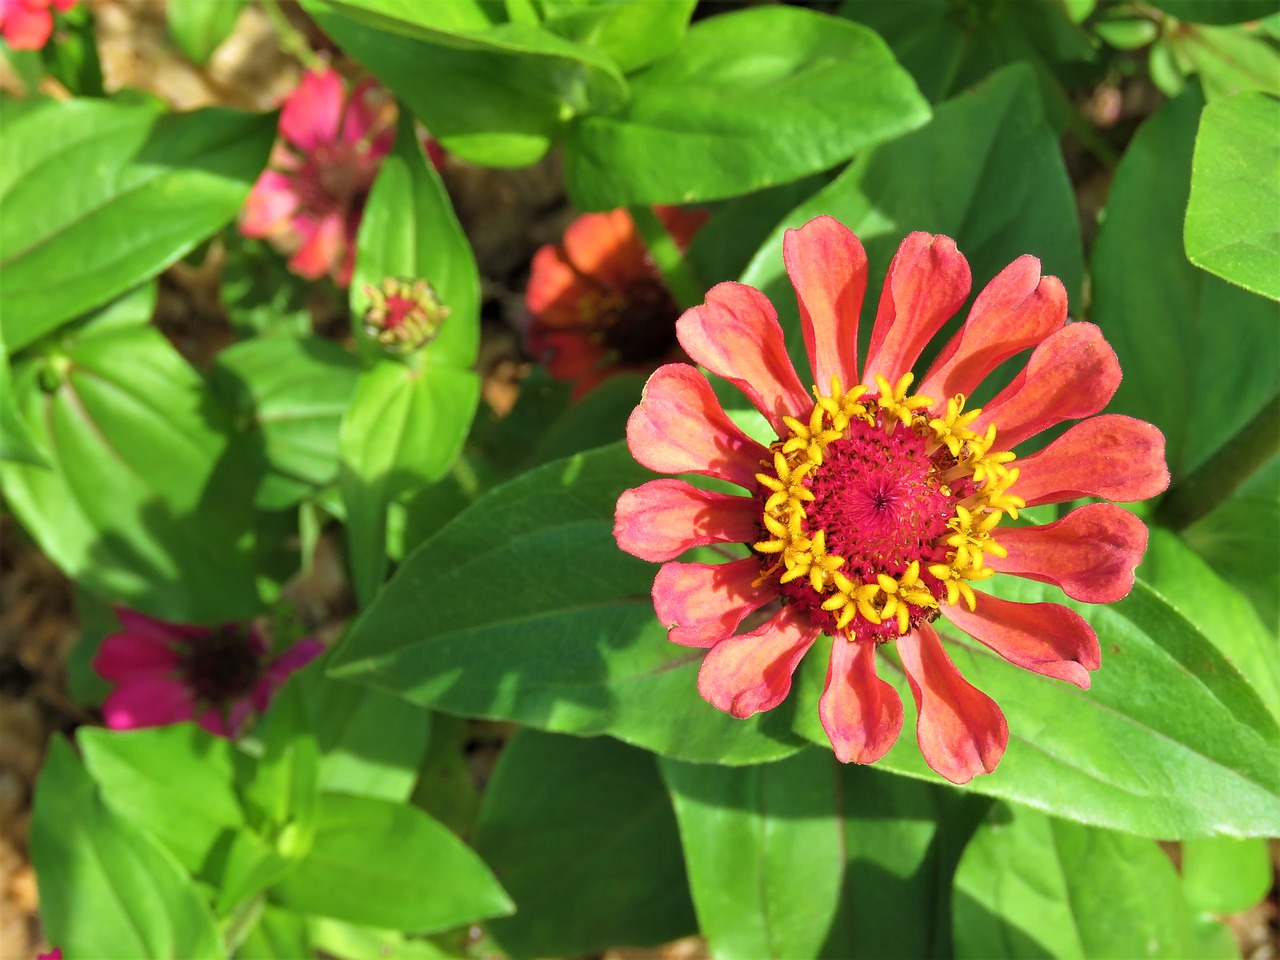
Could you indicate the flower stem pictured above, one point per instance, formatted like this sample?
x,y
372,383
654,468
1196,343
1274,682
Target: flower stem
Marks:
x,y
1213,481
680,279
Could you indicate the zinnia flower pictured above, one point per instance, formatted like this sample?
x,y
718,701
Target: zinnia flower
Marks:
x,y
310,200
597,303
876,510
169,672
27,24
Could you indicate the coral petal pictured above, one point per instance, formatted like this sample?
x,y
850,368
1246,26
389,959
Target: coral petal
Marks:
x,y
928,281
312,112
270,204
828,268
682,224
147,703
680,427
1016,310
662,519
961,731
26,27
1071,375
321,247
607,247
1110,456
861,713
555,290
752,672
736,335
1046,638
702,603
1090,553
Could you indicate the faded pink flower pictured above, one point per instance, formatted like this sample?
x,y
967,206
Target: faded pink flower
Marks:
x,y
27,24
310,199
170,672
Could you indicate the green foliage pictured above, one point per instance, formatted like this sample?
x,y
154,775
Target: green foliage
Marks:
x,y
200,26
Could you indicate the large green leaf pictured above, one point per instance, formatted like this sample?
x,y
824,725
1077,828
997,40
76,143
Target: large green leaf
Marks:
x,y
100,196
148,501
986,172
200,26
15,438
1231,227
1031,886
386,864
177,780
1170,741
289,395
511,85
1178,332
524,608
1217,11
1224,875
410,414
800,93
581,833
808,857
634,33
107,889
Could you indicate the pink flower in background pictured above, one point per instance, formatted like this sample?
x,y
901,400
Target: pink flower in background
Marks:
x,y
875,512
54,954
169,672
310,199
27,24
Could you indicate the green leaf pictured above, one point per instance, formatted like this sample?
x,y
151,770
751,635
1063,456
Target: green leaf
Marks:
x,y
106,889
1228,60
399,869
1217,11
1170,741
581,832
524,608
511,85
149,497
1171,324
802,93
1231,229
633,33
986,172
147,189
276,935
1224,875
200,26
176,780
288,394
1031,885
808,857
15,438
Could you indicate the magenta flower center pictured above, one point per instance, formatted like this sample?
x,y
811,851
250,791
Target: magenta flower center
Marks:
x,y
335,177
875,513
222,667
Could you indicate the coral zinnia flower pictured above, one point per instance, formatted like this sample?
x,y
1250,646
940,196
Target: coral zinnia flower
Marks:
x,y
876,511
27,24
597,303
310,200
170,672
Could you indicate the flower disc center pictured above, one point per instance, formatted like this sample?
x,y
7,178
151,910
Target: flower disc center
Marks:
x,y
222,667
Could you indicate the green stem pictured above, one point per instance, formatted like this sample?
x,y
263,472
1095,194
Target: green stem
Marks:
x,y
291,39
680,279
1213,481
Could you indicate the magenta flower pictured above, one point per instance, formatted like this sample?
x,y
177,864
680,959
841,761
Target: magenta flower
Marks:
x,y
310,200
27,24
170,672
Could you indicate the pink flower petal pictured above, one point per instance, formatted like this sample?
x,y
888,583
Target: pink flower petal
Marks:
x,y
1071,375
156,629
294,659
928,281
312,112
25,27
211,719
1110,456
1090,553
62,6
680,427
270,204
861,713
661,519
1046,638
368,117
752,672
153,702
961,731
607,248
736,335
702,603
321,245
123,657
1016,310
828,268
